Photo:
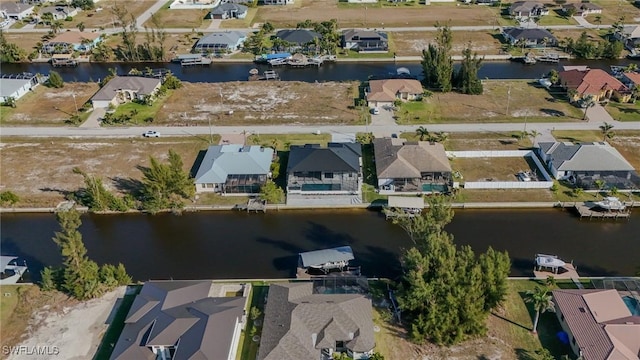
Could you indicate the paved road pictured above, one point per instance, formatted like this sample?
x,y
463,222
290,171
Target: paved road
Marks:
x,y
379,130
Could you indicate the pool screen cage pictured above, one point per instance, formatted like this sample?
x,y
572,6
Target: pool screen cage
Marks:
x,y
626,286
340,285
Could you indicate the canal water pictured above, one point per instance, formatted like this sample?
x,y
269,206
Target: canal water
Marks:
x,y
222,72
240,245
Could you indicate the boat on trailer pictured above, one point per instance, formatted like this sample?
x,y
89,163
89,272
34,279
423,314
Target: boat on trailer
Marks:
x,y
11,269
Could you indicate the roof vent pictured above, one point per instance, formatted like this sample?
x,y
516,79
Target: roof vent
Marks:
x,y
582,310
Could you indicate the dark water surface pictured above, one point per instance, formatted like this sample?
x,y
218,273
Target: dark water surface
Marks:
x,y
221,72
240,245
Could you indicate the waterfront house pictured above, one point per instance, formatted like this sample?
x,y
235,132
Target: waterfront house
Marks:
x,y
365,40
385,92
631,80
334,171
584,163
183,320
220,42
302,324
527,9
72,40
595,84
530,38
599,324
630,35
297,39
582,9
15,10
16,86
234,169
59,12
277,2
229,11
410,167
123,89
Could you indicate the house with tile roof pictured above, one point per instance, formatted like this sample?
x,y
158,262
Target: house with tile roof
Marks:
x,y
600,325
527,9
335,170
300,324
69,41
410,167
123,89
584,163
183,320
582,9
596,84
234,169
631,80
385,92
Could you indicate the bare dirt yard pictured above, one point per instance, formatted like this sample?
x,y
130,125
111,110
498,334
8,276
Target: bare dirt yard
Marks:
x,y
39,170
48,106
495,169
411,43
102,15
375,15
72,329
261,103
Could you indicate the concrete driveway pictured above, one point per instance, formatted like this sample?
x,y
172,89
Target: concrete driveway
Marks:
x,y
384,118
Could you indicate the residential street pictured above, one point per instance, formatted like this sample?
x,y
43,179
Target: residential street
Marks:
x,y
378,130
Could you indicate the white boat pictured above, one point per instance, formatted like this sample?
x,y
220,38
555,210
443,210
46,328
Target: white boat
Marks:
x,y
544,82
524,176
549,261
10,270
611,203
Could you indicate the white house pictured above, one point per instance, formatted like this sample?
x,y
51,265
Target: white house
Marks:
x,y
277,2
16,10
16,87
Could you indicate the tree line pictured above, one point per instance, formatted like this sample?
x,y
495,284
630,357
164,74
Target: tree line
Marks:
x,y
437,66
446,291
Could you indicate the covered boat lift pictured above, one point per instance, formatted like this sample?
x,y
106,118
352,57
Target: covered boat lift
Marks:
x,y
325,260
409,205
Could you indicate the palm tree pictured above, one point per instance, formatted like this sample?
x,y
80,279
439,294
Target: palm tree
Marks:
x,y
541,300
533,134
56,26
598,20
422,132
613,191
577,191
80,26
606,131
550,282
441,137
599,184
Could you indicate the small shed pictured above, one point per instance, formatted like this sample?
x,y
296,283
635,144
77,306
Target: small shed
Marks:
x,y
326,259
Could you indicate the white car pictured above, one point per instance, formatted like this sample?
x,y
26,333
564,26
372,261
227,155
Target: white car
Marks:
x,y
151,133
375,111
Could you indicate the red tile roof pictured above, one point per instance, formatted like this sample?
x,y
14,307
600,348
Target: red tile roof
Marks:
x,y
590,82
633,76
386,90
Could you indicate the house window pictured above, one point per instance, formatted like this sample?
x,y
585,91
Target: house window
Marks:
x,y
328,175
209,186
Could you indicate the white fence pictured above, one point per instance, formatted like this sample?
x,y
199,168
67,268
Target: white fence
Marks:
x,y
548,183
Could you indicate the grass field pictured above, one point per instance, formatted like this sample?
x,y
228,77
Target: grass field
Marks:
x,y
496,169
240,23
613,10
179,18
48,106
411,43
248,348
512,101
478,141
624,112
102,16
141,113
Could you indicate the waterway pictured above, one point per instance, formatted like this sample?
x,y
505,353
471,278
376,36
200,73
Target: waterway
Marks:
x,y
239,245
222,72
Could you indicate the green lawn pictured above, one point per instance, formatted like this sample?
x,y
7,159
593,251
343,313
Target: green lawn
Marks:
x,y
8,303
283,141
240,23
249,348
555,17
140,113
624,112
117,324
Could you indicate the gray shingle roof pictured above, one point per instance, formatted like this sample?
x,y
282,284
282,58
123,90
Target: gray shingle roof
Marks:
x,y
221,161
227,7
335,157
142,85
229,38
537,34
408,160
10,86
171,312
362,34
298,36
587,157
298,324
14,7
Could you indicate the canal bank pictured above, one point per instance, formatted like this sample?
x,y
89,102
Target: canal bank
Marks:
x,y
240,245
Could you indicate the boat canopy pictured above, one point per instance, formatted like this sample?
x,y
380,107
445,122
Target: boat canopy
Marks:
x,y
276,56
321,257
406,202
4,262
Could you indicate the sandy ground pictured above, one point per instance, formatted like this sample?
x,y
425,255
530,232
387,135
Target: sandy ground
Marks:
x,y
76,332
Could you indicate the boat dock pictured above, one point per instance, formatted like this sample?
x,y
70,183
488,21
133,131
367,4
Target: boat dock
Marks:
x,y
300,60
568,271
253,205
584,210
192,59
63,60
267,75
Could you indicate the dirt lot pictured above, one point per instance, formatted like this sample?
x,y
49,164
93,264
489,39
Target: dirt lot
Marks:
x,y
375,16
39,171
104,18
180,18
496,169
410,43
260,103
48,106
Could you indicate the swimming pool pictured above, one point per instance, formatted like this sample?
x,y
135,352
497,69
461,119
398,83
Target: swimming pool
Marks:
x,y
632,304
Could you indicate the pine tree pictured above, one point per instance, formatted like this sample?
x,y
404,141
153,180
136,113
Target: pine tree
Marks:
x,y
166,185
467,76
437,64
